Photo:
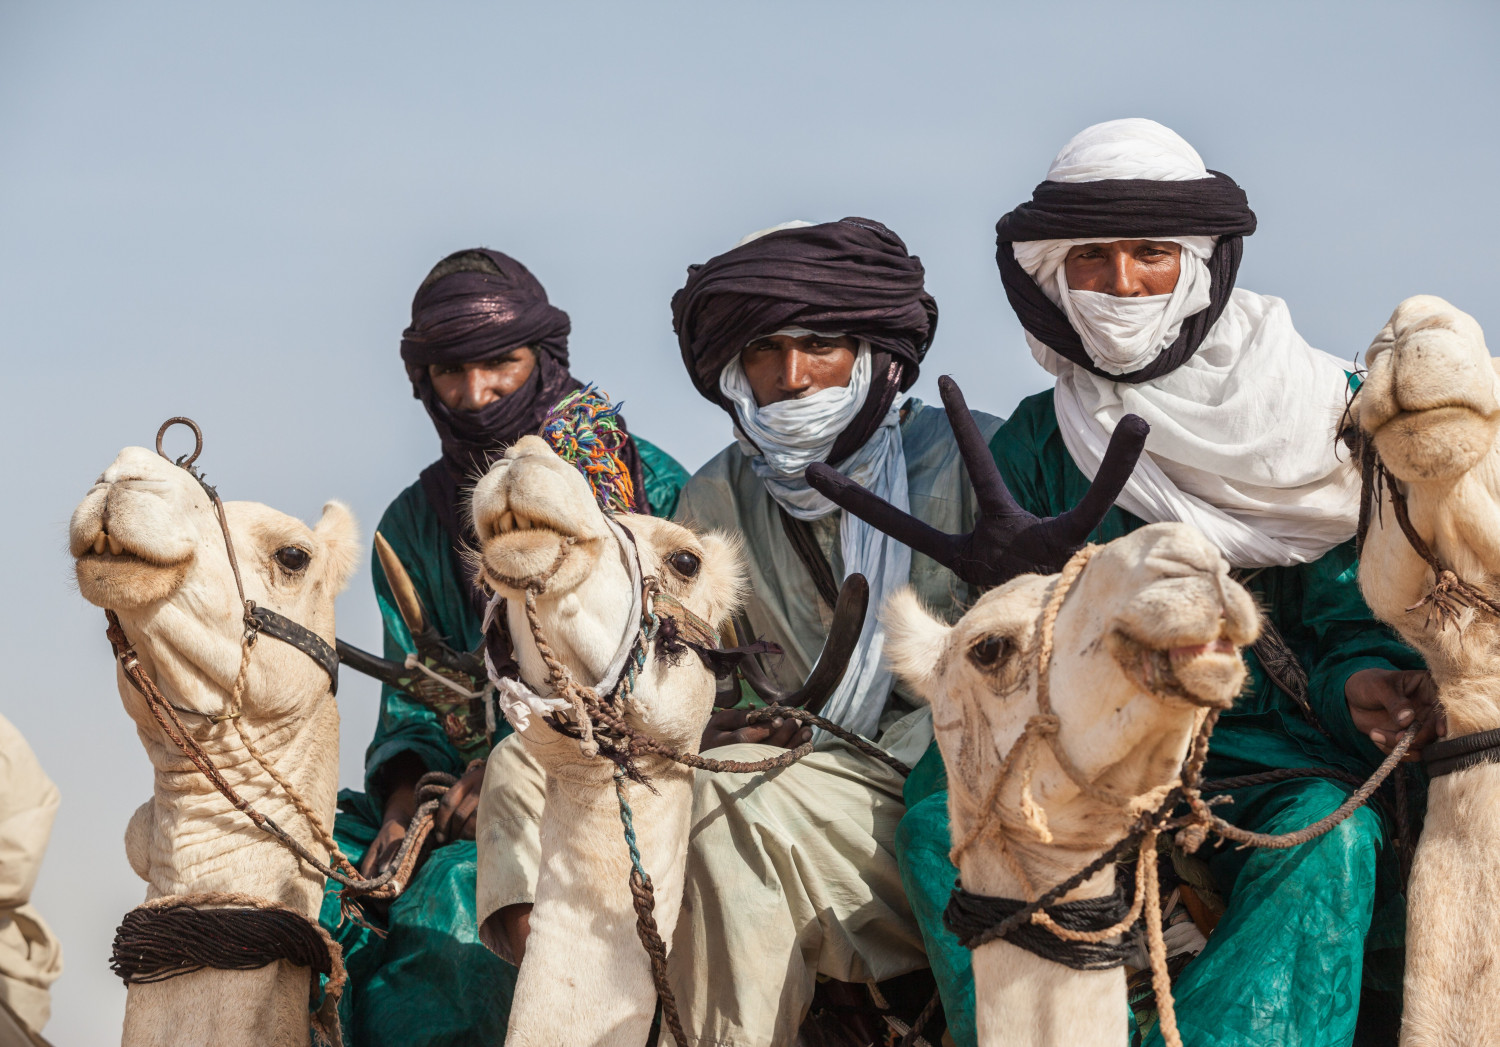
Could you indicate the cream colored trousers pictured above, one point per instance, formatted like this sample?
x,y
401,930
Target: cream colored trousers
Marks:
x,y
790,875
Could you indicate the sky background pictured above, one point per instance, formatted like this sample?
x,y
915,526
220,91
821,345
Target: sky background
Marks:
x,y
223,211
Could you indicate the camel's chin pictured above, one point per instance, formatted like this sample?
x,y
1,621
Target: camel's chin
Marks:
x,y
1438,444
126,582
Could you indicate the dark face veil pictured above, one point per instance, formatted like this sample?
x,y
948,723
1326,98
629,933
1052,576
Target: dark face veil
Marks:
x,y
476,305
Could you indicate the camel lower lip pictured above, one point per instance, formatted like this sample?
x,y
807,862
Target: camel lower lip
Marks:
x,y
1181,654
516,558
119,559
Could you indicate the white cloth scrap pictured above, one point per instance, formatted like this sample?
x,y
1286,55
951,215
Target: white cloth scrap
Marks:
x,y
783,439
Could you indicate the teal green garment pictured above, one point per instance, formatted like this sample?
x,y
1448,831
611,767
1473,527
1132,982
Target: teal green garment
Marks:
x,y
430,982
783,605
1224,996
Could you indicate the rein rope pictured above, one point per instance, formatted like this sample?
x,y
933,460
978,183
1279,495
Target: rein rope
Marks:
x,y
1446,600
602,729
168,924
966,911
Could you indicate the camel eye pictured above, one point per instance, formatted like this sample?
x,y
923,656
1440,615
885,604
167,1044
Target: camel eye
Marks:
x,y
684,563
293,558
987,651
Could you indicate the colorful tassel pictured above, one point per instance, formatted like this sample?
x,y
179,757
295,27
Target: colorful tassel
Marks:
x,y
584,430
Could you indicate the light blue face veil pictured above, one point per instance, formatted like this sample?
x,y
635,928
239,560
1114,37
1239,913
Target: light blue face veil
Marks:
x,y
782,439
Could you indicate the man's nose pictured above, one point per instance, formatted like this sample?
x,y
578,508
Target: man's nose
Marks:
x,y
479,391
795,375
1126,277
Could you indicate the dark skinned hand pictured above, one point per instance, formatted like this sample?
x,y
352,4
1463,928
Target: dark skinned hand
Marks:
x,y
729,727
458,810
453,820
1384,702
1007,541
400,806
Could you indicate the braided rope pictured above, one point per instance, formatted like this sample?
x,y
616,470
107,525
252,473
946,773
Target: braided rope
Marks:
x,y
643,897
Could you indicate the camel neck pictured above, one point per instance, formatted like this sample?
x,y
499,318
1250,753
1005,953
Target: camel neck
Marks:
x,y
584,918
188,838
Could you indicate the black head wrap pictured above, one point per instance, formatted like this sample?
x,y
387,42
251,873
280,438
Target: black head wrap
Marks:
x,y
476,305
853,276
1126,209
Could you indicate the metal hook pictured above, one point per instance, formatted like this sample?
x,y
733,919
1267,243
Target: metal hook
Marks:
x,y
187,460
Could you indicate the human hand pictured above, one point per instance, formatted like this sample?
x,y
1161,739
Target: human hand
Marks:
x,y
455,817
731,727
1384,702
399,808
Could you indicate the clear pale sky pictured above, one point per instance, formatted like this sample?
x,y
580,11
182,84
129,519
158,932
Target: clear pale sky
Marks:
x,y
223,210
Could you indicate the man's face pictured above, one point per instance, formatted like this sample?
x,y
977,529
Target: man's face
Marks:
x,y
1124,268
783,367
470,386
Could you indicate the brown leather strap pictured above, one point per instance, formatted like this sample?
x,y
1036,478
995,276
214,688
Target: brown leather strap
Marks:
x,y
805,544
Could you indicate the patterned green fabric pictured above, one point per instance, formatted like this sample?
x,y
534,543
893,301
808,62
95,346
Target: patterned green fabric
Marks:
x,y
1305,927
430,982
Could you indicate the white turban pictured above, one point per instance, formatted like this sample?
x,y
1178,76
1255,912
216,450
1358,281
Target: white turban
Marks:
x,y
1242,433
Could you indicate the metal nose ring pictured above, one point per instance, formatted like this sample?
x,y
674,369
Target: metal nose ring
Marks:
x,y
186,461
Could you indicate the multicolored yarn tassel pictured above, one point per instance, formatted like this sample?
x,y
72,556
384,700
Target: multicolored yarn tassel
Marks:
x,y
584,430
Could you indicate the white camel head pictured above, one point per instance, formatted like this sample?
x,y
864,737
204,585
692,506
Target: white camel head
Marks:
x,y
1430,407
147,545
539,525
1145,642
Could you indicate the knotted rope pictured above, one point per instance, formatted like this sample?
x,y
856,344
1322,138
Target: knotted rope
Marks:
x,y
602,730
1155,809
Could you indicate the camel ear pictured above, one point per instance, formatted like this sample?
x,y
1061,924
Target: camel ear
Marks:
x,y
723,574
338,534
914,642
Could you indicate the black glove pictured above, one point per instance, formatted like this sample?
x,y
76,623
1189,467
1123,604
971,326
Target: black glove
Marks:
x,y
1007,540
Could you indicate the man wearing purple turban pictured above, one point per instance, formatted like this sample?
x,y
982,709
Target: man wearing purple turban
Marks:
x,y
487,355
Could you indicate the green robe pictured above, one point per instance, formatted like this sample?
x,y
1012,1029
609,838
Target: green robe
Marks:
x,y
1286,962
430,982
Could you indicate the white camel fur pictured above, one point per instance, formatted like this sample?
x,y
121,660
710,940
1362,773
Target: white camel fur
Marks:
x,y
1145,643
147,545
1431,404
585,978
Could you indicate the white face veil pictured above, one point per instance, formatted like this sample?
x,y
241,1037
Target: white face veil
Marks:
x,y
1242,433
782,439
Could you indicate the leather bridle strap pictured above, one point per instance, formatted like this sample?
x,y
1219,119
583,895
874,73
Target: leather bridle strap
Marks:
x,y
257,619
269,623
1458,754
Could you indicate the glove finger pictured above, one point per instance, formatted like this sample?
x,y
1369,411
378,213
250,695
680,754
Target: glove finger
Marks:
x,y
879,513
989,487
1125,447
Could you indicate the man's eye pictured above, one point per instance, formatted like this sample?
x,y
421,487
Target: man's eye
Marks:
x,y
292,558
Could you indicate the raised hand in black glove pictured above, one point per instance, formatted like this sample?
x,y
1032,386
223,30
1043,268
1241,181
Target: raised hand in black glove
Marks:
x,y
1007,540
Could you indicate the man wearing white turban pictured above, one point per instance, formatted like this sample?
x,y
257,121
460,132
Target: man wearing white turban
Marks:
x,y
1121,269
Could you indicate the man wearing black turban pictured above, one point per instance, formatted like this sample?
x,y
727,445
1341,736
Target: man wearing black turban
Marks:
x,y
487,354
809,336
1121,269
